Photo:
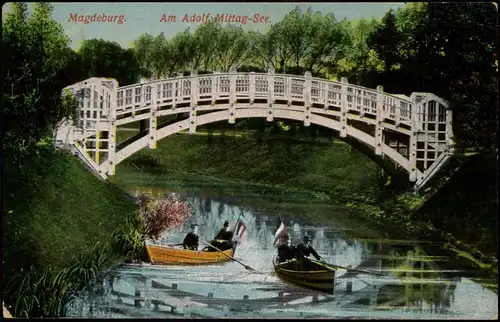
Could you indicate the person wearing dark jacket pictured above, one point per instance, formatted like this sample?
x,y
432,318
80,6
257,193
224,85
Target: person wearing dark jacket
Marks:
x,y
286,251
305,249
191,241
222,240
222,234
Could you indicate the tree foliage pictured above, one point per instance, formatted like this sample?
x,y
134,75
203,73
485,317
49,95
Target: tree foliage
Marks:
x,y
449,49
161,215
101,58
35,59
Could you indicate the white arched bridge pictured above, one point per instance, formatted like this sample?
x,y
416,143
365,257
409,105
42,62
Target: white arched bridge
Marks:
x,y
414,132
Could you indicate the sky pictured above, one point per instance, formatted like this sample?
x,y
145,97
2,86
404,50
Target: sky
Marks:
x,y
140,18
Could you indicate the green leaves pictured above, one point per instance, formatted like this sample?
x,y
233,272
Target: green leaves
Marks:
x,y
449,50
34,59
301,41
101,58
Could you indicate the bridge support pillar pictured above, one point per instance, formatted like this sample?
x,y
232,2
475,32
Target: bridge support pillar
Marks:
x,y
343,108
412,149
380,117
270,95
307,99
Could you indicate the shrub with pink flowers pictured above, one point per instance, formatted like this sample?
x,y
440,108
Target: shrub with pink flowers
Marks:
x,y
160,215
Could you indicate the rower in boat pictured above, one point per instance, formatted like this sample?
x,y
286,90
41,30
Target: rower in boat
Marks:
x,y
223,239
305,249
223,231
286,251
192,239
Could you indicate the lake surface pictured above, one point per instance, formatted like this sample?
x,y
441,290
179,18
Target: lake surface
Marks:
x,y
414,285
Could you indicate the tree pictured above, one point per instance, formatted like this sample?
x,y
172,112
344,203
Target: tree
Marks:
x,y
450,50
160,60
206,39
233,48
142,50
329,44
274,49
103,58
183,52
297,30
461,53
362,63
35,59
386,41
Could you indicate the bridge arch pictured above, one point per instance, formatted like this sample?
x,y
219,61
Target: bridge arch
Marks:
x,y
218,116
421,123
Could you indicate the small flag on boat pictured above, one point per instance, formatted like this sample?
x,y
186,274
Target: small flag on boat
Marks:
x,y
280,232
240,229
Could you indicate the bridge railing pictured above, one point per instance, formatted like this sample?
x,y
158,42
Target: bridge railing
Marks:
x,y
254,86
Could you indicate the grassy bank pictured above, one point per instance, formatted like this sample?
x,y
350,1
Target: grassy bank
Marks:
x,y
331,168
58,216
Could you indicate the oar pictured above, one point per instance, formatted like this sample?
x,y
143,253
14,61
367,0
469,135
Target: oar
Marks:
x,y
234,259
347,268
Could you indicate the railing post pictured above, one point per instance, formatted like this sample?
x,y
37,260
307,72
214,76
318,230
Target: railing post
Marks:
x,y
232,96
288,90
112,97
412,155
177,90
379,127
307,98
343,108
195,85
449,130
215,80
153,119
270,95
397,115
251,79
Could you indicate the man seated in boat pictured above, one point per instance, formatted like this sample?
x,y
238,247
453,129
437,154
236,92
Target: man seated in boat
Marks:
x,y
305,249
222,232
222,240
286,251
192,239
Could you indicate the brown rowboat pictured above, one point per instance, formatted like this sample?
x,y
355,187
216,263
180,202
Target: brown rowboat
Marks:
x,y
169,255
318,278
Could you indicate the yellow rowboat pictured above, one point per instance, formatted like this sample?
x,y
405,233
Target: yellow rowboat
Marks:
x,y
318,278
169,255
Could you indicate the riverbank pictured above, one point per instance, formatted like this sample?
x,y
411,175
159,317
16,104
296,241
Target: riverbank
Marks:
x,y
57,216
312,170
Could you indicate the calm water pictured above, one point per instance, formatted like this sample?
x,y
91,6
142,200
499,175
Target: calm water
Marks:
x,y
415,285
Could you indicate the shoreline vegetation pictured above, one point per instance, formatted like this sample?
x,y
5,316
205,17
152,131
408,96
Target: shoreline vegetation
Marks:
x,y
66,228
59,218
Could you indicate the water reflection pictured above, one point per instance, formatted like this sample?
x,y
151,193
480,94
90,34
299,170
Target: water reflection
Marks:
x,y
413,285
